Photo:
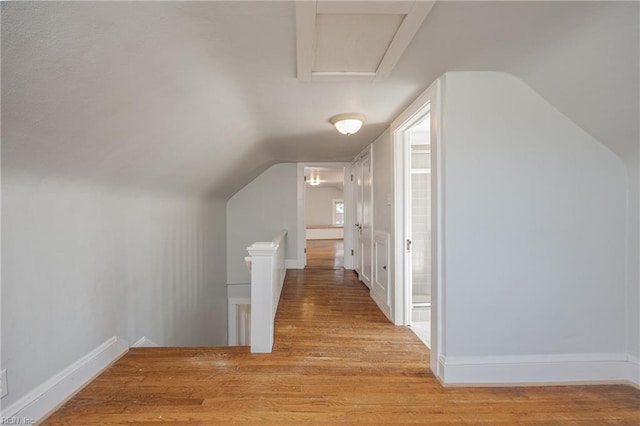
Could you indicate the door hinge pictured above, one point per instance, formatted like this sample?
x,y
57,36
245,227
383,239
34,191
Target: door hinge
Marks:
x,y
352,178
304,178
351,252
408,245
305,250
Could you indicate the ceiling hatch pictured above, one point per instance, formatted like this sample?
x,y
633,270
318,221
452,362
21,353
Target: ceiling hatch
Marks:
x,y
347,40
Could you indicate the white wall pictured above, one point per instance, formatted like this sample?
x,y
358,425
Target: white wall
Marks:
x,y
319,204
82,263
591,73
535,213
633,287
257,213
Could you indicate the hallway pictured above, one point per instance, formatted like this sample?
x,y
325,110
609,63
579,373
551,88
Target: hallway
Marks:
x,y
325,254
336,359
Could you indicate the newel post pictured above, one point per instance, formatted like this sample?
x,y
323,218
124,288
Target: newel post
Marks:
x,y
262,265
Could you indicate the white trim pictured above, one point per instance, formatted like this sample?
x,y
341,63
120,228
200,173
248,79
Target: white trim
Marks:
x,y
401,307
291,263
398,126
268,272
414,13
540,369
145,342
383,300
438,270
337,76
333,210
382,305
353,215
301,243
440,368
633,370
305,37
359,7
263,248
237,294
401,40
349,215
51,394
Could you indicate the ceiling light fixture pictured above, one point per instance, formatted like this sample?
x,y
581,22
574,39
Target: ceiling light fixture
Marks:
x,y
348,123
314,180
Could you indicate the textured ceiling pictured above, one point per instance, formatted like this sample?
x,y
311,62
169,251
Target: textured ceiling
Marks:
x,y
202,96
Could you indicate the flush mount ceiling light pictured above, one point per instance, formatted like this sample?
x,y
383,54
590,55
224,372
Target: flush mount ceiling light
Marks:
x,y
314,178
348,123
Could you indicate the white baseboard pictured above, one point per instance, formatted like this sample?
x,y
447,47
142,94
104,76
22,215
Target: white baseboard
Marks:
x,y
145,342
382,305
540,369
50,395
633,370
291,264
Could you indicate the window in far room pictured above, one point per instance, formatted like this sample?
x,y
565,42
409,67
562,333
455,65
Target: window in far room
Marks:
x,y
338,212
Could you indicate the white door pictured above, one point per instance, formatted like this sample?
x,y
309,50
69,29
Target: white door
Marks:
x,y
364,222
357,192
366,239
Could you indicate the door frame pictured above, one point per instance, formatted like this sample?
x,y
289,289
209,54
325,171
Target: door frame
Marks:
x,y
404,145
353,183
431,99
348,207
366,152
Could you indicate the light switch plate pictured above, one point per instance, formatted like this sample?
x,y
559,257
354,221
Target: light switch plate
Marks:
x,y
3,383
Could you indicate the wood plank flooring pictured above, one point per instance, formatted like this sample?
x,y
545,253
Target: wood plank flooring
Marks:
x,y
325,254
336,359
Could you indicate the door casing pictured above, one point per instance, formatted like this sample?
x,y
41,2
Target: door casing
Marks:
x,y
428,101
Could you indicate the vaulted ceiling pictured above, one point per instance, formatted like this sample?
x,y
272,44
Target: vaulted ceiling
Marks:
x,y
200,97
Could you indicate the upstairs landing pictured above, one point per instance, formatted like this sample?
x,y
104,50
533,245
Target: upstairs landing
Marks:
x,y
336,359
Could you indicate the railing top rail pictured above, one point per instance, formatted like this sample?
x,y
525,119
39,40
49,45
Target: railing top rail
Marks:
x,y
266,247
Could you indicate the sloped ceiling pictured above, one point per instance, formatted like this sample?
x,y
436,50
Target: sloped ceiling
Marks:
x,y
200,97
326,176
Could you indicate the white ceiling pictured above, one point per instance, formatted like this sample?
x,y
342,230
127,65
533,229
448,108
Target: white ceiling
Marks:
x,y
354,40
203,96
327,176
353,43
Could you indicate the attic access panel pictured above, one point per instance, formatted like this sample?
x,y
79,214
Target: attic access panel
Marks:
x,y
346,40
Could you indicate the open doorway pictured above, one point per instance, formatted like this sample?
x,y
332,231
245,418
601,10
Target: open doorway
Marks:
x,y
324,215
418,228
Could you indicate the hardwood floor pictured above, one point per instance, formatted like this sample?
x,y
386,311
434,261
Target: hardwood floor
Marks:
x,y
327,254
336,359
